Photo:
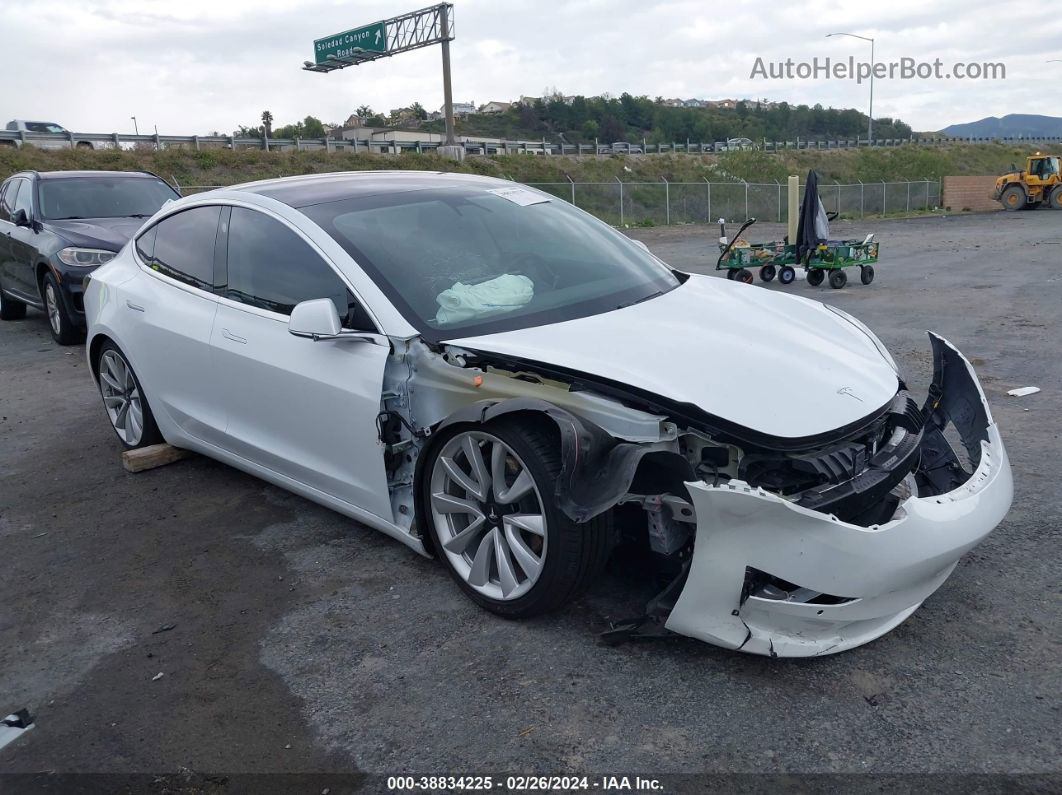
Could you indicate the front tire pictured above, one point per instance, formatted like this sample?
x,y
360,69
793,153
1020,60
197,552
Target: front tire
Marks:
x,y
815,276
1054,201
1013,198
124,400
64,331
487,497
838,279
786,274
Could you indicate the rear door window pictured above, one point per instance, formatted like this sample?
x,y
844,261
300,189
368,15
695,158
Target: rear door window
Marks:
x,y
145,244
184,246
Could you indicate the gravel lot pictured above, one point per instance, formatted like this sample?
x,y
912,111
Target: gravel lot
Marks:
x,y
305,642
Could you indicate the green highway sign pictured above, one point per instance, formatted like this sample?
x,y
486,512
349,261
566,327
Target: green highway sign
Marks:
x,y
371,38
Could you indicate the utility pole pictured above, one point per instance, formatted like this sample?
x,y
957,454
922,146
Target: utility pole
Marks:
x,y
448,94
135,128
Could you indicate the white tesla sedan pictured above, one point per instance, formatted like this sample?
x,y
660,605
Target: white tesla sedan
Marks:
x,y
496,378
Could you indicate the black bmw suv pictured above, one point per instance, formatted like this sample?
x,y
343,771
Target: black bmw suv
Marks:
x,y
57,226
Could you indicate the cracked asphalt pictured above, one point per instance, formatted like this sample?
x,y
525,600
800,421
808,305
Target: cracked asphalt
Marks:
x,y
303,642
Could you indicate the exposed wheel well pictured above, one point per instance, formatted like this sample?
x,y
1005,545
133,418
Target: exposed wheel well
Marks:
x,y
655,473
662,472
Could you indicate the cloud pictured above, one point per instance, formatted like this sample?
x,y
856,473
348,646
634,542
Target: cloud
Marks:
x,y
195,66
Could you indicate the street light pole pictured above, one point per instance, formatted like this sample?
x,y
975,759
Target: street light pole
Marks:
x,y
870,116
135,128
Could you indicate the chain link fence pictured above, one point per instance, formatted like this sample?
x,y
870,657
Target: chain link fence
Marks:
x,y
665,203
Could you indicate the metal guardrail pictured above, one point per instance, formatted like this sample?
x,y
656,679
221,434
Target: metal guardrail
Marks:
x,y
665,203
71,140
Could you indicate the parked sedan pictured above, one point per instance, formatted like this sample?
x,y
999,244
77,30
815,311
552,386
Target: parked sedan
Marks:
x,y
56,226
494,377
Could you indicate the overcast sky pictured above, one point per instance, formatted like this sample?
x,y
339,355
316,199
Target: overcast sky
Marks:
x,y
193,66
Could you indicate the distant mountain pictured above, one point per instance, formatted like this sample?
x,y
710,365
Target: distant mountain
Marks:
x,y
1012,125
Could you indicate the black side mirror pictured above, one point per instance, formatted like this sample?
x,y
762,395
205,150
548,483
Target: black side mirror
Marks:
x,y
20,218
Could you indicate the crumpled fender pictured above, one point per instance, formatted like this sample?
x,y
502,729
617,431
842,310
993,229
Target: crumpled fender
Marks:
x,y
596,468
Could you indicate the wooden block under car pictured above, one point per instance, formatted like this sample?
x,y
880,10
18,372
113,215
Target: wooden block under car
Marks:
x,y
156,455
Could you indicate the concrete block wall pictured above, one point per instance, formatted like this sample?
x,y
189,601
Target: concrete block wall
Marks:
x,y
970,193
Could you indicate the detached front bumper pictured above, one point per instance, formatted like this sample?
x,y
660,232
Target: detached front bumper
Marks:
x,y
855,583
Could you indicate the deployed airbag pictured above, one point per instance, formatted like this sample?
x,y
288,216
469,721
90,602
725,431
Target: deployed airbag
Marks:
x,y
501,294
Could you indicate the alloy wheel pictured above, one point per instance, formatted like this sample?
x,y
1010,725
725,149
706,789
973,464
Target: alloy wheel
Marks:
x,y
488,515
121,397
51,303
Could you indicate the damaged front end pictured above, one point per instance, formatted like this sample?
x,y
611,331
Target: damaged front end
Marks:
x,y
772,575
786,547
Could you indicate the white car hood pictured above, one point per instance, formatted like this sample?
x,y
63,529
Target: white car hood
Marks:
x,y
765,360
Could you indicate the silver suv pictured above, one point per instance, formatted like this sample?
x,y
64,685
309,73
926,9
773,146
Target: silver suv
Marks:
x,y
33,134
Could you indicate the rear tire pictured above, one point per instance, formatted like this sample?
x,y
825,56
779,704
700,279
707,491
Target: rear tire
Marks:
x,y
10,309
124,400
744,276
815,276
62,326
767,273
1054,201
786,275
866,274
1013,198
565,557
838,279
730,273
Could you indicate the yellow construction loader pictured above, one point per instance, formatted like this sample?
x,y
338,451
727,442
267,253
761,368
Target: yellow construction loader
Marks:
x,y
1040,184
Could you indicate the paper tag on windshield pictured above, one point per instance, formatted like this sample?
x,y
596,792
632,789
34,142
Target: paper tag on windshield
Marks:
x,y
520,196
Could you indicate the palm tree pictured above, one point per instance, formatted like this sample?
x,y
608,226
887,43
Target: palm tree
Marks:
x,y
267,123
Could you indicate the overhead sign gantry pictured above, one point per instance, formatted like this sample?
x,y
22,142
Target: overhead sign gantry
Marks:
x,y
433,25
